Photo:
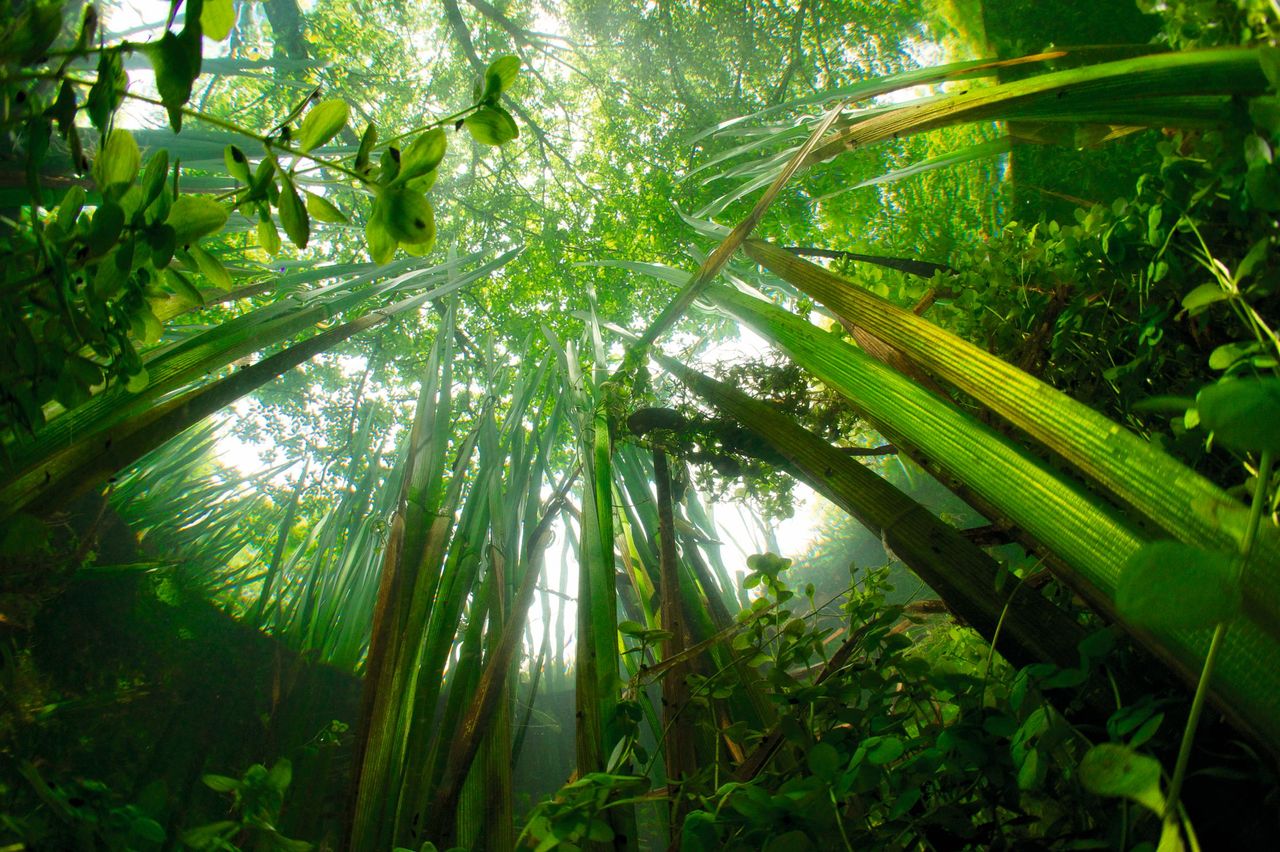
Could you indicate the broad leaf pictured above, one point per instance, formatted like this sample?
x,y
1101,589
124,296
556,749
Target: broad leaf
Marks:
x,y
217,18
322,123
499,76
293,216
195,216
117,163
1170,585
323,211
409,217
1243,414
492,125
1110,769
423,155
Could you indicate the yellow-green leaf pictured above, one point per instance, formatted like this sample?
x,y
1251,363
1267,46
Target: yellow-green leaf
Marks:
x,y
293,215
268,236
217,17
117,161
382,245
492,125
409,217
500,74
237,163
210,267
322,123
195,216
422,156
322,211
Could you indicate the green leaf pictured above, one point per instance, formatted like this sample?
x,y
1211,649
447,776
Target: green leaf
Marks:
x,y
182,288
176,60
409,217
1243,414
281,775
293,215
210,267
108,221
883,750
237,163
154,176
107,92
377,234
220,783
137,382
422,156
268,236
217,18
206,835
195,216
1202,297
322,123
30,34
367,140
116,165
499,76
1112,770
824,761
1227,354
70,206
492,125
322,211
145,326
1174,586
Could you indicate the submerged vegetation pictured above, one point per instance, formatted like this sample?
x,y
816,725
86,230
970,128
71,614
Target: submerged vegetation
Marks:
x,y
379,380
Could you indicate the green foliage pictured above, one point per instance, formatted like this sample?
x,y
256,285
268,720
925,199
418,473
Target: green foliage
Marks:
x,y
256,799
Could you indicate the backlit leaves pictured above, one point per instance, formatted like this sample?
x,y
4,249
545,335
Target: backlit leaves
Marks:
x,y
325,120
499,76
293,216
117,163
422,156
217,18
176,60
195,216
492,125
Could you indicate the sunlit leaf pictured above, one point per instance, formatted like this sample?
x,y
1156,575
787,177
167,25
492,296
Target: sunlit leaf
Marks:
x,y
499,76
210,267
237,163
117,162
492,125
195,216
217,17
293,215
422,155
323,211
324,121
268,236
